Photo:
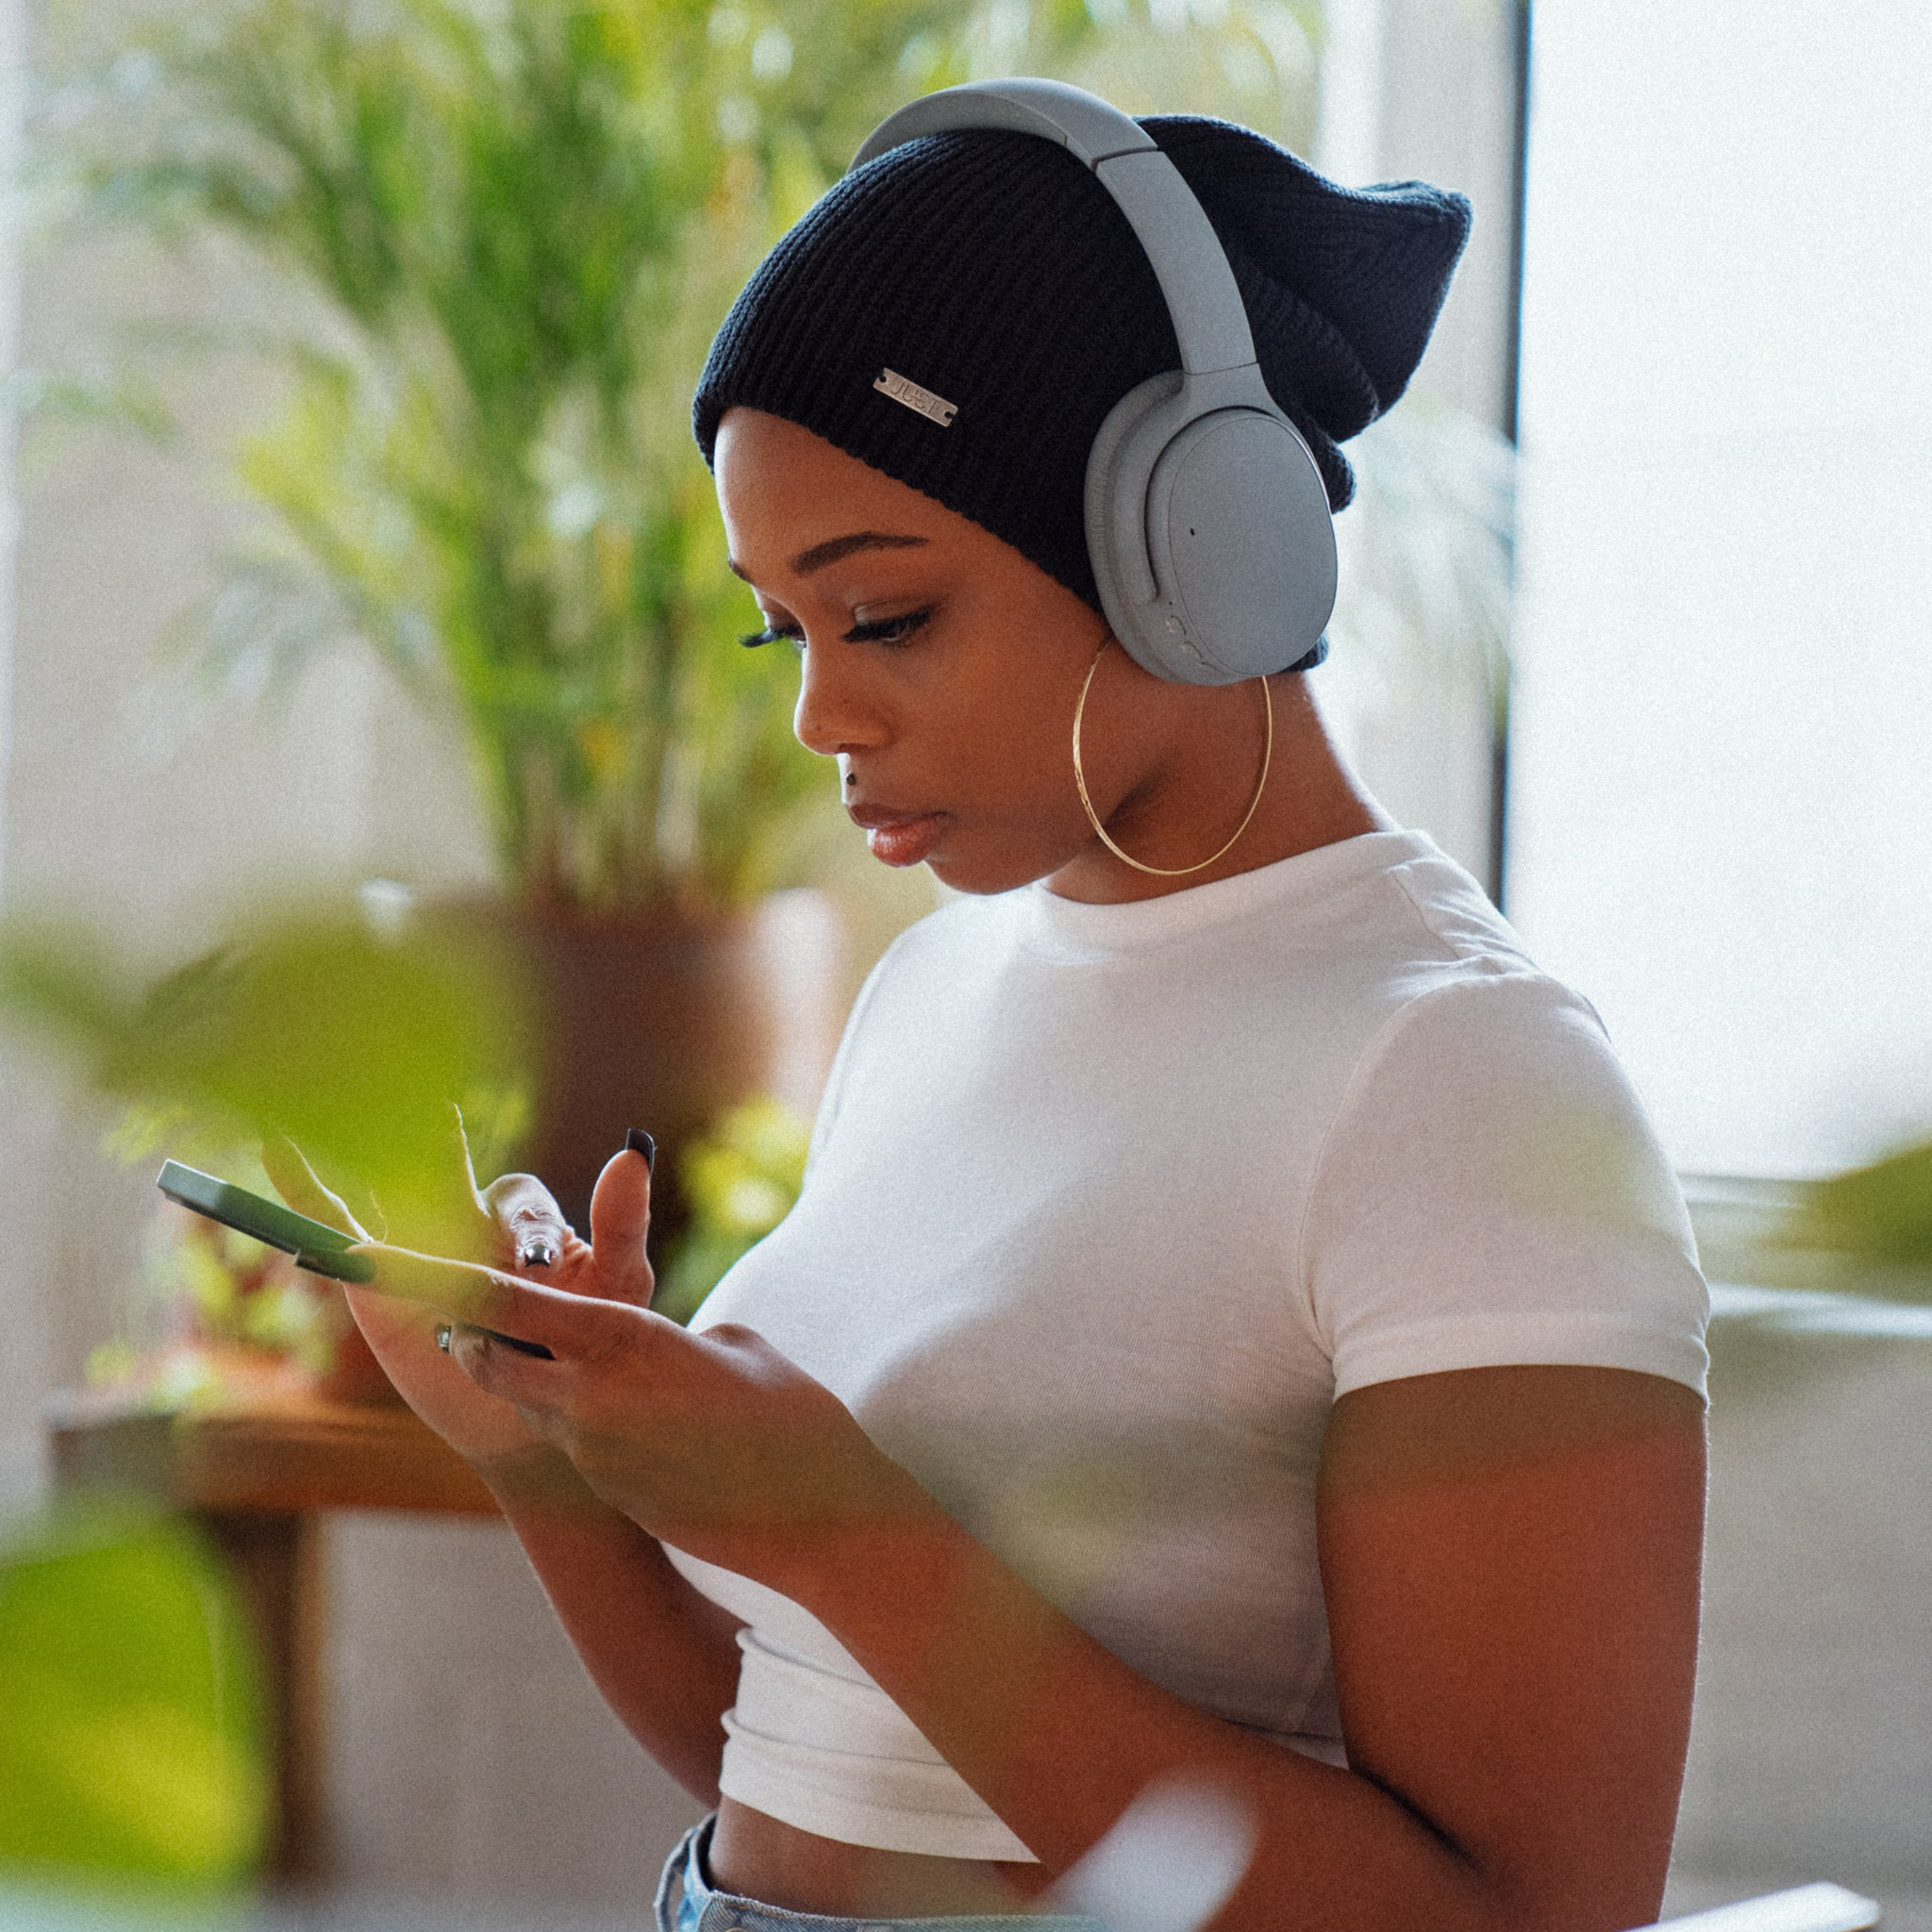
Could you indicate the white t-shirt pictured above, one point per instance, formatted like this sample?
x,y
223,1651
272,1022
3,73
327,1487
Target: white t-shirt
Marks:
x,y
1107,1204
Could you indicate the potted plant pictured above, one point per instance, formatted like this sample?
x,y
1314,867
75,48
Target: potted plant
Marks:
x,y
507,232
310,1021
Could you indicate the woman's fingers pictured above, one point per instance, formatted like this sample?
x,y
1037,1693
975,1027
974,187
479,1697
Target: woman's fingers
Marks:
x,y
487,1298
528,1218
294,1180
619,1221
504,1371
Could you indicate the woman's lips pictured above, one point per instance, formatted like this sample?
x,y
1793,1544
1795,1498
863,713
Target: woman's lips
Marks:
x,y
898,838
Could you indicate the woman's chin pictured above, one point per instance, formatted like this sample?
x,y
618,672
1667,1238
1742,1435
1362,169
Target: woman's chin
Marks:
x,y
962,877
982,872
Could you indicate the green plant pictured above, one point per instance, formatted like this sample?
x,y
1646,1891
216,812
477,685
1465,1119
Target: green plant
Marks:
x,y
308,1024
1876,1220
512,225
742,1178
132,1754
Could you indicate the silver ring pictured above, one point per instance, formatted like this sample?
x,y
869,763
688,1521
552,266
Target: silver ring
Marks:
x,y
537,1253
442,1332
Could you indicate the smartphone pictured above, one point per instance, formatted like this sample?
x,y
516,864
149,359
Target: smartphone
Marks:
x,y
317,1247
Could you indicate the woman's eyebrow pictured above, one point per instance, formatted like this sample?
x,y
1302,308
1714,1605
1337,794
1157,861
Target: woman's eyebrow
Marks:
x,y
829,552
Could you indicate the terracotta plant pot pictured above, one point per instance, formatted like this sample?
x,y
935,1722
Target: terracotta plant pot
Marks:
x,y
354,1375
660,1019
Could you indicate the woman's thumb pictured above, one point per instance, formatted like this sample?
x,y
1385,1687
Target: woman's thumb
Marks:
x,y
621,1218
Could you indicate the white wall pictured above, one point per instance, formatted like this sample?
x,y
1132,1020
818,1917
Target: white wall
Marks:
x,y
1811,1740
133,803
1722,795
1721,781
471,1760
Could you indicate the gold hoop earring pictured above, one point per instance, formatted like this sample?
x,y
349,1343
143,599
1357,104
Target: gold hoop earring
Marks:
x,y
1168,871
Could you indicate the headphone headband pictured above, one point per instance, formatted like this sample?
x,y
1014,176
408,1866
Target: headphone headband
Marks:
x,y
1089,127
1209,322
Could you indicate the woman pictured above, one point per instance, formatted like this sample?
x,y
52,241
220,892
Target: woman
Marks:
x,y
1237,1332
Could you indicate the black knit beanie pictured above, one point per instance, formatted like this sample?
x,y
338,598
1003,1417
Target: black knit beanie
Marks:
x,y
995,273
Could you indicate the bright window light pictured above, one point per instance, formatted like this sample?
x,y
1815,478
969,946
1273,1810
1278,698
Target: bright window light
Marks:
x,y
1720,808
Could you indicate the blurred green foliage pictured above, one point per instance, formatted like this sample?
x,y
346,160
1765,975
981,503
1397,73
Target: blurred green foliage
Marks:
x,y
513,225
1879,1220
242,1292
1429,554
742,1178
309,1024
131,1733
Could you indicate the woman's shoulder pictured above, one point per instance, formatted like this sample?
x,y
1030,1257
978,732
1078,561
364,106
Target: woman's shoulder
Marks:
x,y
1491,1191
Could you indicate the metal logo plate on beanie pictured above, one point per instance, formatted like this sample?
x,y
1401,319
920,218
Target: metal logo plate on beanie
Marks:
x,y
902,389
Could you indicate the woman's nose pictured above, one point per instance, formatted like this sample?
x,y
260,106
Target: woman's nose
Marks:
x,y
833,714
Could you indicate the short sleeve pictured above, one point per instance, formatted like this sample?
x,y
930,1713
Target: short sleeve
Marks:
x,y
1489,1194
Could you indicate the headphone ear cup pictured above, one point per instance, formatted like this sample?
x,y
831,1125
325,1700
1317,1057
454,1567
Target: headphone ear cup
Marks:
x,y
1243,542
1120,467
1209,532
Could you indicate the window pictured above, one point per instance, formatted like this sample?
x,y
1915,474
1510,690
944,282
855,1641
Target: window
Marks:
x,y
1720,804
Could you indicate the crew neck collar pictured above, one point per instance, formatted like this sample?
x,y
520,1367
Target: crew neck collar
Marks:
x,y
1073,928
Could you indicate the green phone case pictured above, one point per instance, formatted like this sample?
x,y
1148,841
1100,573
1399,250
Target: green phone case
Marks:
x,y
316,1246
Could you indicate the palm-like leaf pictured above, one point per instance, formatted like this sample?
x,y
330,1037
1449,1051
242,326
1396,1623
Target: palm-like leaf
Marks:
x,y
516,224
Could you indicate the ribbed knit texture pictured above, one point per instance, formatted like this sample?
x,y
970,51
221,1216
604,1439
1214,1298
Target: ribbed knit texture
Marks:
x,y
993,270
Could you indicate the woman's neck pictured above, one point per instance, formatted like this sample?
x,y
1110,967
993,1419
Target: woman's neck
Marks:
x,y
1310,799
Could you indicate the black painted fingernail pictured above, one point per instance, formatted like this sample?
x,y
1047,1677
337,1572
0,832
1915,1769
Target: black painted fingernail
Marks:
x,y
641,1142
536,1255
534,1349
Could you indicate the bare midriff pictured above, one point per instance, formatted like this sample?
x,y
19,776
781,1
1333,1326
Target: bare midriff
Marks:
x,y
755,1856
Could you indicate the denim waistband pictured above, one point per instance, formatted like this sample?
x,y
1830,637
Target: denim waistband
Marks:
x,y
699,1909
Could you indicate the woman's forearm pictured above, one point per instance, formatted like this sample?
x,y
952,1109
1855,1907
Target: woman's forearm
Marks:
x,y
1059,1737
1514,1622
664,1657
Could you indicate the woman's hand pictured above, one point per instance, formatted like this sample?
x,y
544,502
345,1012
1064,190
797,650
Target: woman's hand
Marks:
x,y
713,1441
513,1224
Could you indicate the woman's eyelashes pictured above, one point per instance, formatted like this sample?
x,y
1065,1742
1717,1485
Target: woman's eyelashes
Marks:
x,y
771,634
877,631
887,630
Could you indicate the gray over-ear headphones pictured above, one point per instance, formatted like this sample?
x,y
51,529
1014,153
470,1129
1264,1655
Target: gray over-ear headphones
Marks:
x,y
1208,522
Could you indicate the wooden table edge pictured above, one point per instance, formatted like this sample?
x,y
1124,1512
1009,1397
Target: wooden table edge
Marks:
x,y
263,1453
